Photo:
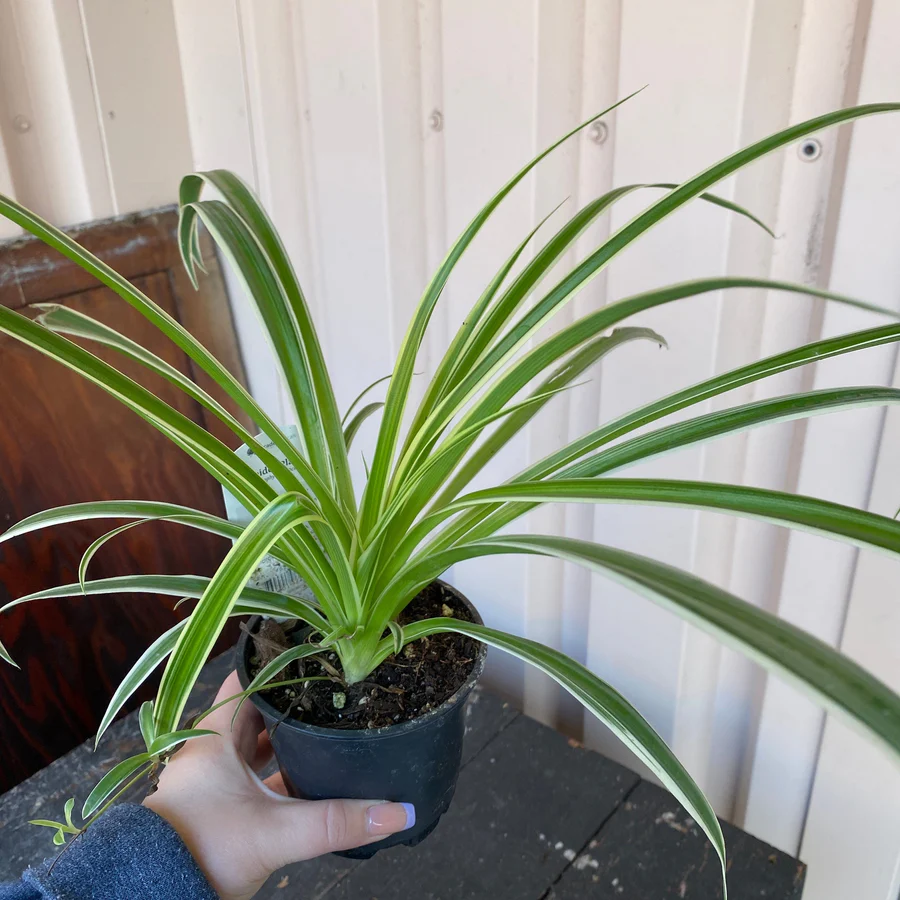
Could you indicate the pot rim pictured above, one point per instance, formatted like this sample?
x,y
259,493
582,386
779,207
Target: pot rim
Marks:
x,y
386,731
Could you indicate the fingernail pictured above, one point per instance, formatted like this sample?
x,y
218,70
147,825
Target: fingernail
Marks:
x,y
389,818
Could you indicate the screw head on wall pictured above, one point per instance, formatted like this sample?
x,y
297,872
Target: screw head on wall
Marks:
x,y
810,150
21,124
597,132
436,121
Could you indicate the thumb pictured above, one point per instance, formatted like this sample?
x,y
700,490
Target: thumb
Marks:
x,y
294,830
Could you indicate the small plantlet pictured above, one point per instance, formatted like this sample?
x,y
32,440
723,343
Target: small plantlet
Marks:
x,y
61,829
366,557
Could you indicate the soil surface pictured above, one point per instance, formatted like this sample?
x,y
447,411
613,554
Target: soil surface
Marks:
x,y
406,685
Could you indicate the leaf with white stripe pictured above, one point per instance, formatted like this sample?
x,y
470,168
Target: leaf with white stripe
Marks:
x,y
604,702
208,618
115,780
165,742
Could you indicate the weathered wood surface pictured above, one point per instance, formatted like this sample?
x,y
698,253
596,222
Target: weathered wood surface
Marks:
x,y
652,848
64,440
535,817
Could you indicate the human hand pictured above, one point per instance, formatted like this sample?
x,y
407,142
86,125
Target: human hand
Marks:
x,y
240,829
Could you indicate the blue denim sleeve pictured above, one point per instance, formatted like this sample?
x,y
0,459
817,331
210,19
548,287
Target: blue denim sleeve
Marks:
x,y
129,853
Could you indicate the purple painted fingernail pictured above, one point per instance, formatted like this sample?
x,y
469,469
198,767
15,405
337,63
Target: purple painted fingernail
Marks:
x,y
410,815
389,818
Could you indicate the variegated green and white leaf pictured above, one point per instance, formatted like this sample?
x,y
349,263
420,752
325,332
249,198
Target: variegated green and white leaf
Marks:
x,y
166,742
207,620
604,702
115,780
148,729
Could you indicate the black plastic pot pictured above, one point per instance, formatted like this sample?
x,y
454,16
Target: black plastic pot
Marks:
x,y
415,762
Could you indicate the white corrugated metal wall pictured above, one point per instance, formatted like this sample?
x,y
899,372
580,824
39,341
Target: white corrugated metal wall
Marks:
x,y
373,131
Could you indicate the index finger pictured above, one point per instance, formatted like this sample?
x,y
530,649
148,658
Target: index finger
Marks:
x,y
245,733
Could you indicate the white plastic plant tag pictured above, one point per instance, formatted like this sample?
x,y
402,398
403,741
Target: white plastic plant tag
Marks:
x,y
233,507
271,575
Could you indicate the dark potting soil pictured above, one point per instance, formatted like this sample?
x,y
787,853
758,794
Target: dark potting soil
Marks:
x,y
406,685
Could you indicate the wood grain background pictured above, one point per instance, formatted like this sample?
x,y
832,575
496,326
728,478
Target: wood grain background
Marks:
x,y
64,440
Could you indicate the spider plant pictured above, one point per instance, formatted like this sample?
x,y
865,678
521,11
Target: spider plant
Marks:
x,y
366,557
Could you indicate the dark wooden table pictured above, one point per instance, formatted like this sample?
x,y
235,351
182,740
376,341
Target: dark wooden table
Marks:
x,y
535,817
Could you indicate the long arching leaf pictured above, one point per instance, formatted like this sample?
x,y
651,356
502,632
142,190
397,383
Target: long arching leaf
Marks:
x,y
837,682
197,639
496,391
359,397
123,509
356,422
664,440
250,264
189,586
834,520
154,313
71,322
165,643
239,198
840,684
398,390
135,677
211,453
739,418
604,702
112,781
95,546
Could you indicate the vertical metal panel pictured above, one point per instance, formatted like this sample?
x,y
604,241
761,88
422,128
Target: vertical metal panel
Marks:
x,y
401,126
772,44
217,103
215,90
140,99
682,123
488,134
274,61
431,110
348,162
851,832
558,81
327,109
781,770
837,463
600,89
52,137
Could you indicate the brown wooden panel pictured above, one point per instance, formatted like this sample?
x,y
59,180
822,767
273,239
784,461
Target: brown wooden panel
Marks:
x,y
64,440
133,245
